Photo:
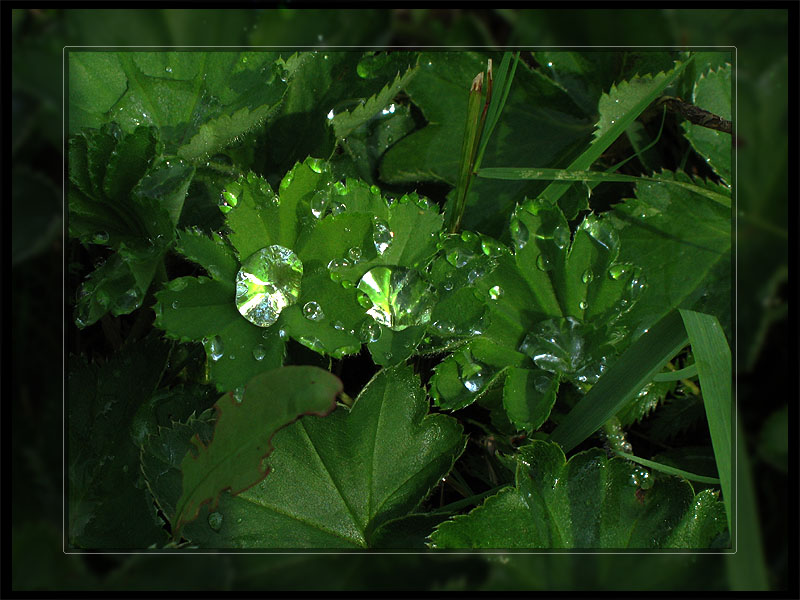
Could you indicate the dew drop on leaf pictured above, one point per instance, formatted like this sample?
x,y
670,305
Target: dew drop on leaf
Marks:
x,y
561,236
215,521
472,377
495,292
238,394
587,276
313,311
318,203
268,282
381,236
354,254
101,237
399,297
543,263
215,348
175,305
583,305
369,331
519,233
259,352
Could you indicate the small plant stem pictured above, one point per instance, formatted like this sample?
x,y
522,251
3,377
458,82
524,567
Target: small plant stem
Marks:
x,y
696,115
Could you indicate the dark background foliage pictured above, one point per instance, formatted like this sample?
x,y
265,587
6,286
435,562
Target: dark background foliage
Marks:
x,y
37,37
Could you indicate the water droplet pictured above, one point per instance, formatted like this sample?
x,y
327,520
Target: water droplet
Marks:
x,y
491,248
369,331
268,282
318,203
618,270
354,254
238,394
448,283
283,334
561,236
168,69
337,325
458,257
313,311
496,292
583,305
468,236
259,352
587,276
338,209
215,521
175,305
101,237
330,115
398,297
543,263
472,377
519,233
382,236
444,327
215,348
317,165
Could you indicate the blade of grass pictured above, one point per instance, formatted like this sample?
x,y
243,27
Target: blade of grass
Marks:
x,y
523,173
713,359
623,380
684,373
472,134
555,190
656,466
747,568
504,79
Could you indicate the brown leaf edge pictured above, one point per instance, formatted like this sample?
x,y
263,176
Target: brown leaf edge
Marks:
x,y
199,445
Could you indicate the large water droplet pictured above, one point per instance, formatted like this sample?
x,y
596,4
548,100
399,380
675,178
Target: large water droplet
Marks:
x,y
318,203
472,376
382,236
587,276
399,297
369,331
561,236
215,521
618,270
215,348
458,257
268,282
543,263
313,311
495,292
519,233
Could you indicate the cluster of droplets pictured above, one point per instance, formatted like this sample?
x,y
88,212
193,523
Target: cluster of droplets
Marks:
x,y
560,346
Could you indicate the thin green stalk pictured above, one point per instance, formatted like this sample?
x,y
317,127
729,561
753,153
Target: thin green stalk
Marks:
x,y
656,466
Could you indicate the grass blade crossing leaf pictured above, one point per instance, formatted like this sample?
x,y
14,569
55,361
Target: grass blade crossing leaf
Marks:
x,y
242,437
667,469
713,359
635,368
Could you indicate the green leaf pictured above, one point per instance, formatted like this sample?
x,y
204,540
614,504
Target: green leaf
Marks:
x,y
335,481
244,431
345,122
440,90
162,453
712,92
109,506
200,101
618,110
713,360
589,501
682,242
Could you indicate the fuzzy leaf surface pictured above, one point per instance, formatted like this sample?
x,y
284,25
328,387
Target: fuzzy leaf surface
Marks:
x,y
586,502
